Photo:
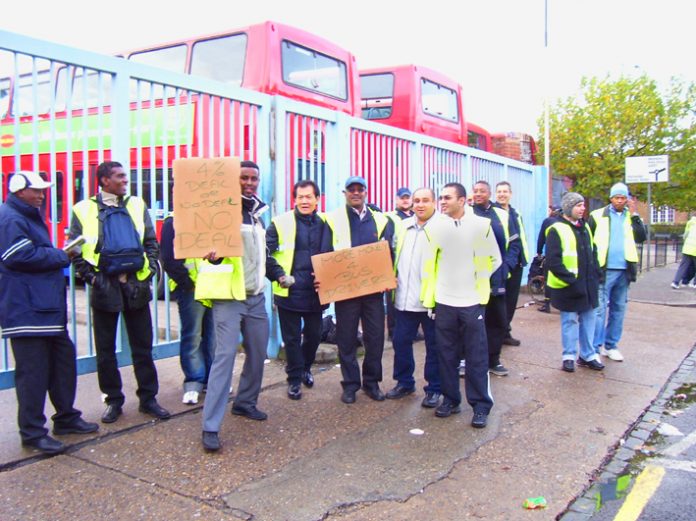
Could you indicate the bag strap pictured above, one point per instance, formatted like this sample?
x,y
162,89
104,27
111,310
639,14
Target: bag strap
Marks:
x,y
101,217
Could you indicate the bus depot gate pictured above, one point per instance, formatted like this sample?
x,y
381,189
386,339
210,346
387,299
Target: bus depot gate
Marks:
x,y
143,117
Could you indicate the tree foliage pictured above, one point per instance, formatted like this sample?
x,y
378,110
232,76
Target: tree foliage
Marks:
x,y
592,135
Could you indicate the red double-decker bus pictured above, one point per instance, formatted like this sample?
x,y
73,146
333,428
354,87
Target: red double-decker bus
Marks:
x,y
67,105
414,98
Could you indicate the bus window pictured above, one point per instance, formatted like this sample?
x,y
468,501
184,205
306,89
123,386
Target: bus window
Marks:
x,y
147,188
32,98
58,187
220,59
4,97
313,71
169,58
377,91
439,101
90,90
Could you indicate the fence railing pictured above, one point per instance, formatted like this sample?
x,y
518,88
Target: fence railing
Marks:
x,y
661,251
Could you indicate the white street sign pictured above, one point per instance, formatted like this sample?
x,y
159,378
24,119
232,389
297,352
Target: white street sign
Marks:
x,y
647,169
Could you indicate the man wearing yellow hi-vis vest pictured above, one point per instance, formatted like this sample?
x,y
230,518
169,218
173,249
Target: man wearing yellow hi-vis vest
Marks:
x,y
509,245
119,289
458,287
197,333
292,238
616,229
573,282
355,224
234,287
687,266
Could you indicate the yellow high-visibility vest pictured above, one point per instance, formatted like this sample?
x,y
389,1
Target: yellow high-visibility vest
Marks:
x,y
87,212
569,253
601,237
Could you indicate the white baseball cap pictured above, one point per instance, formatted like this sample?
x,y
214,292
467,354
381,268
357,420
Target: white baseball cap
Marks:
x,y
25,179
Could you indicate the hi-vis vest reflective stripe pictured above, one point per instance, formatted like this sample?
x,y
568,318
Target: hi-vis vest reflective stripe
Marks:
x,y
224,281
689,247
601,237
287,229
340,226
87,211
523,238
569,253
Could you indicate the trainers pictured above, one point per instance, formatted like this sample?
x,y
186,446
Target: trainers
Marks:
x,y
190,398
592,364
462,368
498,370
674,285
446,409
692,284
294,391
479,420
614,354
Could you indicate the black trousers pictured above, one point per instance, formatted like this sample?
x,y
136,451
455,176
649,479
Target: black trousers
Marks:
x,y
44,364
496,328
461,333
139,328
370,310
301,343
512,294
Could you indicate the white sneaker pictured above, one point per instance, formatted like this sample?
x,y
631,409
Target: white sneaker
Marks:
x,y
603,351
674,285
615,355
190,398
692,284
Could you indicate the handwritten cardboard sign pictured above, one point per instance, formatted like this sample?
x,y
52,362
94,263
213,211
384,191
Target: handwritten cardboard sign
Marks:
x,y
354,272
207,207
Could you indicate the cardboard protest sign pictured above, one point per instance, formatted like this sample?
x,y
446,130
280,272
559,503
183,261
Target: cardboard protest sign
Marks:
x,y
354,272
207,207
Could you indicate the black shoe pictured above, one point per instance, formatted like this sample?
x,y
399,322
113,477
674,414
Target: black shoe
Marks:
x,y
399,392
45,444
374,392
431,400
211,442
308,379
111,413
545,308
498,370
568,366
79,426
348,396
479,420
509,341
447,408
155,410
249,412
592,364
294,391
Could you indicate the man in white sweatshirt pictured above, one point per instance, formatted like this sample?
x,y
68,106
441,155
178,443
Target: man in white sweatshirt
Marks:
x,y
466,253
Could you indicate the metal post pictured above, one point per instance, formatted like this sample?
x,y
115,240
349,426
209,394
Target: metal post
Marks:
x,y
649,220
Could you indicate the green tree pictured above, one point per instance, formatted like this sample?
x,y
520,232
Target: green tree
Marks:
x,y
592,135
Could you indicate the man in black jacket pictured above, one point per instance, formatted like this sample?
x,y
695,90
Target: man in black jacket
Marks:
x,y
573,282
128,294
197,334
292,239
33,315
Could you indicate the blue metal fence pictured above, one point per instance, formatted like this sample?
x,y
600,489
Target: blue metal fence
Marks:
x,y
146,118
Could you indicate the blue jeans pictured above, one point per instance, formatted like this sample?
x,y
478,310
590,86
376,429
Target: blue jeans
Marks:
x,y
578,328
614,295
405,331
197,342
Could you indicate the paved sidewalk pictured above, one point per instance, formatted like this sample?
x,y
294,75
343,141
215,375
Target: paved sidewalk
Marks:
x,y
318,458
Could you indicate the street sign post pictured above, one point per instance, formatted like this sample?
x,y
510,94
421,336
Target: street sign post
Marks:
x,y
647,169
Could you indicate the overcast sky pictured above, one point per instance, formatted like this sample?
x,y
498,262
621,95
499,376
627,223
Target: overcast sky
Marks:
x,y
494,48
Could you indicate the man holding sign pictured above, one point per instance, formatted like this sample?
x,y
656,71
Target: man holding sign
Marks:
x,y
234,287
355,225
